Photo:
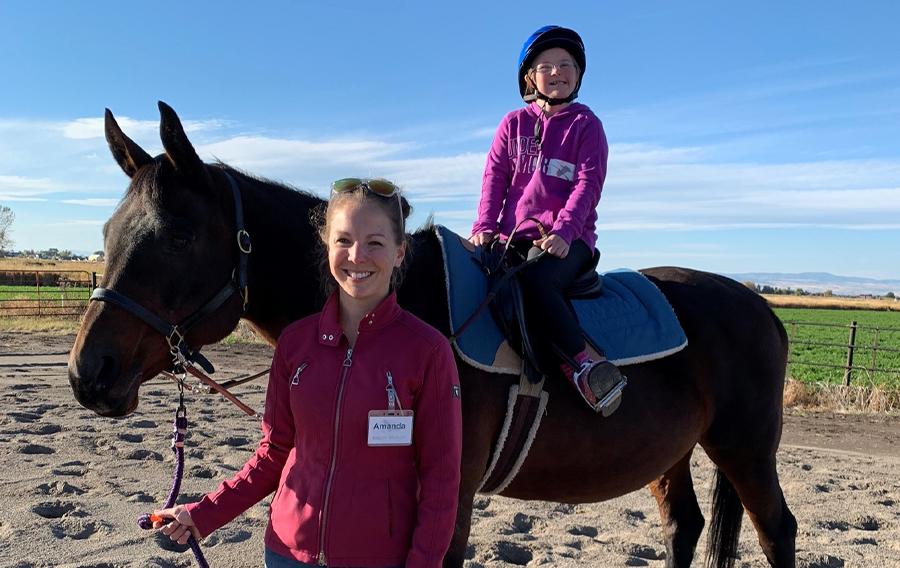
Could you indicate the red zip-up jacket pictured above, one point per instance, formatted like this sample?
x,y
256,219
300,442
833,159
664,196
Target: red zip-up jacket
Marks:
x,y
340,501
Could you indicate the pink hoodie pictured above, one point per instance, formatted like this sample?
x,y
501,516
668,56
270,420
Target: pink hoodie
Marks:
x,y
560,185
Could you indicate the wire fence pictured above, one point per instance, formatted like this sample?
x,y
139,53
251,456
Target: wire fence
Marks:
x,y
829,353
46,293
844,354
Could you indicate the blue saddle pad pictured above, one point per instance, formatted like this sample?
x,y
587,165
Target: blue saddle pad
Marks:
x,y
632,321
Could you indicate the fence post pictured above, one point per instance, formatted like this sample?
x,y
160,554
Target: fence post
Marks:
x,y
850,346
93,280
872,368
37,282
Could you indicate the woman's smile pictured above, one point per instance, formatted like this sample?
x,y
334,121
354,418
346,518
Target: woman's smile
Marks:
x,y
358,275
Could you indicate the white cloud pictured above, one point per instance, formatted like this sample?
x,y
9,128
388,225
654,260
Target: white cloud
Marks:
x,y
82,128
5,197
649,187
670,189
258,153
451,177
93,202
22,188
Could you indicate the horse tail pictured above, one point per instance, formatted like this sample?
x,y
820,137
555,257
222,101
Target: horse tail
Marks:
x,y
725,528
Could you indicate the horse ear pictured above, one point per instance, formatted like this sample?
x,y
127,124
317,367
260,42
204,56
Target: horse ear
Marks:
x,y
178,148
129,155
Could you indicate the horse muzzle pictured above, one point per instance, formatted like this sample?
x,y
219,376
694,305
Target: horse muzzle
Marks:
x,y
100,384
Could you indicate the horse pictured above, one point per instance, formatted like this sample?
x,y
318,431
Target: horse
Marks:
x,y
170,246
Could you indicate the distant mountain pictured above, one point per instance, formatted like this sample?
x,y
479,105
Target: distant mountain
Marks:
x,y
820,282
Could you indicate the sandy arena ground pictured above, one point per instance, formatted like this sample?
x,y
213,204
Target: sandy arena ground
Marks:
x,y
73,483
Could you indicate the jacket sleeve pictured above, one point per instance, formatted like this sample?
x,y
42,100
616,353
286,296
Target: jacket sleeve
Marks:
x,y
261,474
590,173
495,182
438,440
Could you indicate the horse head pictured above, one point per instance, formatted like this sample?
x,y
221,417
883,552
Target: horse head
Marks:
x,y
169,248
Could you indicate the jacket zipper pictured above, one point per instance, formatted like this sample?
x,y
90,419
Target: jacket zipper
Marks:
x,y
337,416
296,379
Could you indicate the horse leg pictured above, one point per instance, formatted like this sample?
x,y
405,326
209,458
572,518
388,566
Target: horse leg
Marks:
x,y
682,520
456,555
756,482
484,401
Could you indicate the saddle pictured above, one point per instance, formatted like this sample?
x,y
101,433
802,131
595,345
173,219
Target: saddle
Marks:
x,y
502,264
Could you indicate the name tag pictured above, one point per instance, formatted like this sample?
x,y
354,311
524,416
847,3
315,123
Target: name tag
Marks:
x,y
390,427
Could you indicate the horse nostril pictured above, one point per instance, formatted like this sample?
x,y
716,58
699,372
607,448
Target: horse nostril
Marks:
x,y
106,374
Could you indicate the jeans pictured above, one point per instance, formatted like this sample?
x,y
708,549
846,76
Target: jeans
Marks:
x,y
275,560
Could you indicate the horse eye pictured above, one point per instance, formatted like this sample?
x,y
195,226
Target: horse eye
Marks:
x,y
179,242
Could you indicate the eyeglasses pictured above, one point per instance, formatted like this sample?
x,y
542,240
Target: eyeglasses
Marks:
x,y
547,68
378,186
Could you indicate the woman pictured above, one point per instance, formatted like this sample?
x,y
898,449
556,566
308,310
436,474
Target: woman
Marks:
x,y
362,434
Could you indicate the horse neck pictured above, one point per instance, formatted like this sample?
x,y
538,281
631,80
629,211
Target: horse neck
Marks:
x,y
424,290
283,269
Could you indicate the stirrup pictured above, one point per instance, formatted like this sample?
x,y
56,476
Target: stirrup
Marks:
x,y
605,383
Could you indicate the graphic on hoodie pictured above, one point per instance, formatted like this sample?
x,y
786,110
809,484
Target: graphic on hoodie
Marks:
x,y
523,153
559,168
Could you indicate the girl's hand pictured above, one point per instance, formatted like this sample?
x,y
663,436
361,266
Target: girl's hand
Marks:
x,y
478,239
553,244
180,528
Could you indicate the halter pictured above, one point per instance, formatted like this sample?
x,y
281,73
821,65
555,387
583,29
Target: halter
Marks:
x,y
176,335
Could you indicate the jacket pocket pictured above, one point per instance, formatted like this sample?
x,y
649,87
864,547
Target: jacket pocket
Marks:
x,y
390,509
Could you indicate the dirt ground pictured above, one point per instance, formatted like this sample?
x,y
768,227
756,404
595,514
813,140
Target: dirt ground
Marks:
x,y
72,483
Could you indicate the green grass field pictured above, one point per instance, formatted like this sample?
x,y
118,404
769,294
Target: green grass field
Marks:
x,y
23,301
837,355
46,293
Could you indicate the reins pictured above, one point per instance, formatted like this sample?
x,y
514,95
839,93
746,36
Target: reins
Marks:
x,y
509,274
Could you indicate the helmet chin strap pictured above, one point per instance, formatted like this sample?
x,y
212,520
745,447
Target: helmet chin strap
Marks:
x,y
537,95
552,102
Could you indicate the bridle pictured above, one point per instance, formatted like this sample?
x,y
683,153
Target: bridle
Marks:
x,y
176,335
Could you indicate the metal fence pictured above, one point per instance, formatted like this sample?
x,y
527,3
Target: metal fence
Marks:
x,y
868,358
39,293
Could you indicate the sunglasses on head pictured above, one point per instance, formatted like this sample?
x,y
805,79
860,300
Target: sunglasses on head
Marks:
x,y
378,186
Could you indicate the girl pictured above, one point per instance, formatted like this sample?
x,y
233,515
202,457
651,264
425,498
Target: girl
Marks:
x,y
548,161
362,431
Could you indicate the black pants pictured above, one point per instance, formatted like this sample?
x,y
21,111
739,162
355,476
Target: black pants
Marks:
x,y
548,314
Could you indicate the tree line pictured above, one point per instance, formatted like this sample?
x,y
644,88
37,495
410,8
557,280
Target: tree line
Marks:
x,y
766,289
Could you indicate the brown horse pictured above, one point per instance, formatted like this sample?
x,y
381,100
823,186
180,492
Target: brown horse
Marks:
x,y
170,247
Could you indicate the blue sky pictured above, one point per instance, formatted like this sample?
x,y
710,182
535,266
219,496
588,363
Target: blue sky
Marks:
x,y
744,137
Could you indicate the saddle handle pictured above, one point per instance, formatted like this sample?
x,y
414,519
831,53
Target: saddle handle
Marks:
x,y
541,230
493,292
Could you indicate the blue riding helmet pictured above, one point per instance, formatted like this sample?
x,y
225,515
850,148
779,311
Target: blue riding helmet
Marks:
x,y
542,40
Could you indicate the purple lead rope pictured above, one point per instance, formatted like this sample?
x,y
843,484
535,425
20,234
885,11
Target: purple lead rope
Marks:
x,y
178,434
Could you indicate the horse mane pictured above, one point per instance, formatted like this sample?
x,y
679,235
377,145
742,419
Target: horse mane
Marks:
x,y
269,183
